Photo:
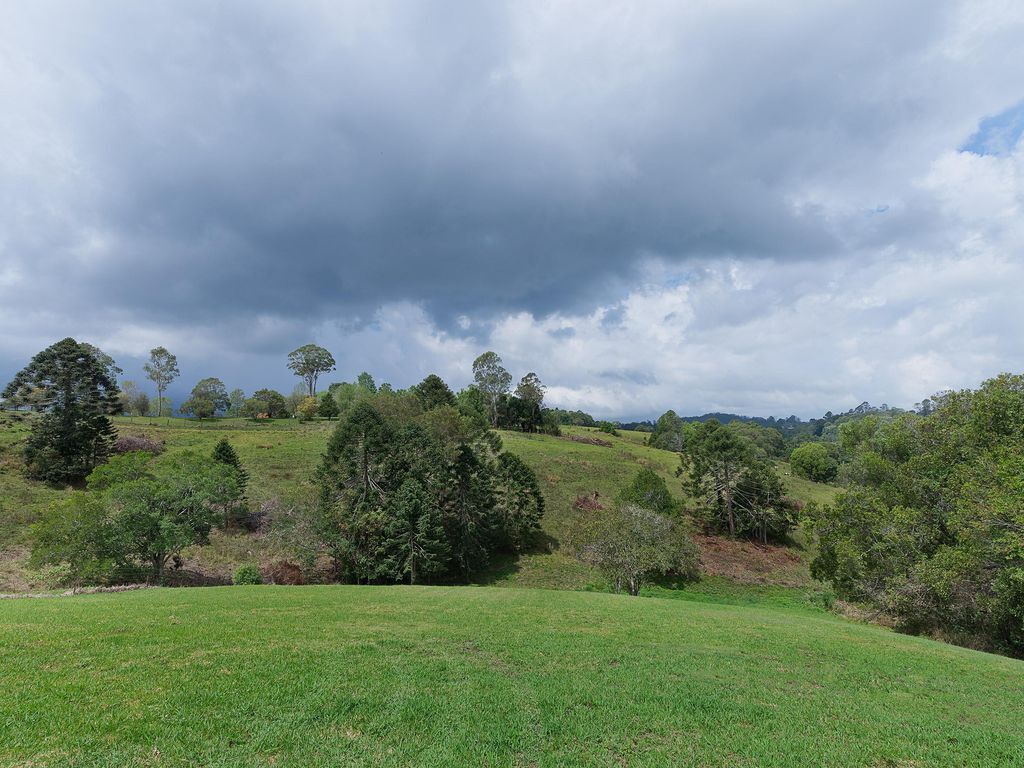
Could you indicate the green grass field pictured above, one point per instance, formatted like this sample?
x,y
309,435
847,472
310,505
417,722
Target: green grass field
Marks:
x,y
331,676
281,455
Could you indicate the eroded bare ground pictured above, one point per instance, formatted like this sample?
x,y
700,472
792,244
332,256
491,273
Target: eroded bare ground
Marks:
x,y
748,562
15,575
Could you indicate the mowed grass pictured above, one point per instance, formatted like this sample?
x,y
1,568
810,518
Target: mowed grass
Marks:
x,y
433,676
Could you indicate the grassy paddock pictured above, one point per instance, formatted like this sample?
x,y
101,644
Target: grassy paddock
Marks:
x,y
280,456
325,676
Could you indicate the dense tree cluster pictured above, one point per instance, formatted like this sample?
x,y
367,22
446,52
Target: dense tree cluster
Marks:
x,y
931,528
134,516
814,461
418,494
571,418
209,398
738,486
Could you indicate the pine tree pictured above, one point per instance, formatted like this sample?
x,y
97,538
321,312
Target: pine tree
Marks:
x,y
470,516
73,384
518,501
413,542
224,453
328,408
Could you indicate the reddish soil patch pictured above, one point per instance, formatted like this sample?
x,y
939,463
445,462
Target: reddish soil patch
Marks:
x,y
588,502
751,563
587,440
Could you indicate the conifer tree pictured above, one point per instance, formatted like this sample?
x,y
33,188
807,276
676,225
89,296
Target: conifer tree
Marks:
x,y
519,503
224,453
328,407
72,383
413,538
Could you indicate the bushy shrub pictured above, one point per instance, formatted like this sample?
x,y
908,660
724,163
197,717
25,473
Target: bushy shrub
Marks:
x,y
631,545
247,574
812,460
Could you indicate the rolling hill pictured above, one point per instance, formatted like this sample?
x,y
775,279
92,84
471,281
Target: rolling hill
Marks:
x,y
281,455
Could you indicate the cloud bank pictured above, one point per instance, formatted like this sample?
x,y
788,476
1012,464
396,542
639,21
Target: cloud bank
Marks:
x,y
769,209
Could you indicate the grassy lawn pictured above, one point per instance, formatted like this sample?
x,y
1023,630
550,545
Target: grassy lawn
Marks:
x,y
327,676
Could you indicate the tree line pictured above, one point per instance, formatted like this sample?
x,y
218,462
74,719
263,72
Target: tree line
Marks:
x,y
414,485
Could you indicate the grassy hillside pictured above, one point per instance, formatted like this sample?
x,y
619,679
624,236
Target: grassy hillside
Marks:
x,y
307,676
281,455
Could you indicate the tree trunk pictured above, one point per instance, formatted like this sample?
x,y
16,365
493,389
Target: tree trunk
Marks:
x,y
728,501
159,561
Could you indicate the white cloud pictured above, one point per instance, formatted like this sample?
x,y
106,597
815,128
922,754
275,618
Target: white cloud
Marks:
x,y
738,206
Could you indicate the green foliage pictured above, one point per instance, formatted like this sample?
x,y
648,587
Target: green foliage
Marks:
x,y
126,468
133,401
649,490
767,442
247,575
268,401
159,406
931,529
75,533
434,393
518,501
608,428
236,402
413,544
407,495
630,545
328,407
529,398
74,387
133,517
209,397
472,403
308,408
162,369
813,461
668,432
741,491
224,453
571,418
366,383
492,380
281,455
308,362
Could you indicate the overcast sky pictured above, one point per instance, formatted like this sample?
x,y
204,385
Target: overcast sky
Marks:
x,y
767,208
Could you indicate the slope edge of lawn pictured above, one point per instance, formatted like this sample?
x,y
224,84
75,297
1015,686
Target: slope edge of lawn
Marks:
x,y
463,675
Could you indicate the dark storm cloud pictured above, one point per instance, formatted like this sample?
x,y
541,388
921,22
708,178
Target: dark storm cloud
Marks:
x,y
243,154
248,170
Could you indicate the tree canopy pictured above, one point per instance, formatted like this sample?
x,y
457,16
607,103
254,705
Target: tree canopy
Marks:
x,y
931,527
75,389
162,369
209,397
308,362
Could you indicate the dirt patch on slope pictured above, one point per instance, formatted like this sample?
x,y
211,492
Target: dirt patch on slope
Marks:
x,y
748,562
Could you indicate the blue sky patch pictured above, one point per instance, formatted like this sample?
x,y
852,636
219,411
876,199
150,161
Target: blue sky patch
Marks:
x,y
998,134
